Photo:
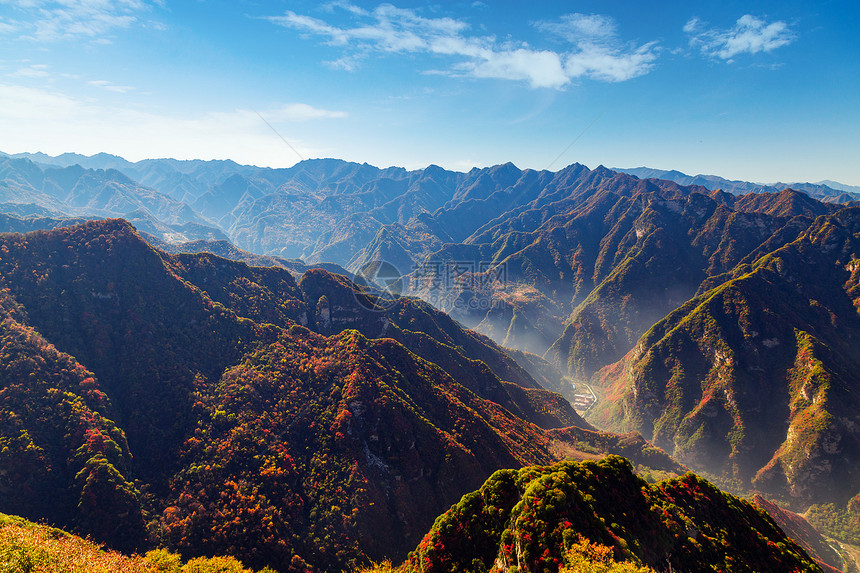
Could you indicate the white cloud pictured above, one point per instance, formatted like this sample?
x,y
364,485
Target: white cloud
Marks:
x,y
104,84
292,112
330,6
55,122
598,53
346,63
692,26
55,20
611,67
7,27
749,35
540,69
595,51
32,71
581,28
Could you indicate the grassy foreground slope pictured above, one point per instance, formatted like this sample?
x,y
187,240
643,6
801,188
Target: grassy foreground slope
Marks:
x,y
27,547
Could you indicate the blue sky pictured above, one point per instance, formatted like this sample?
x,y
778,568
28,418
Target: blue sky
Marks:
x,y
761,91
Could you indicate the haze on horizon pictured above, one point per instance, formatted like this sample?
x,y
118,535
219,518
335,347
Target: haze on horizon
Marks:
x,y
764,92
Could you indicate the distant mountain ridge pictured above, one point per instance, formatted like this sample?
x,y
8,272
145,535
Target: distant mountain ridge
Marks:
x,y
840,186
75,192
827,190
325,210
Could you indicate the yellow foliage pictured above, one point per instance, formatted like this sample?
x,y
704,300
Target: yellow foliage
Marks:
x,y
587,557
29,548
163,561
214,565
382,567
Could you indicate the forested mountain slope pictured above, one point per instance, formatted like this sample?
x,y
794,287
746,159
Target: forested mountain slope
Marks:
x,y
755,378
594,516
217,408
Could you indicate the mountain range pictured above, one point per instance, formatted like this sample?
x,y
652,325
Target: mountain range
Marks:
x,y
306,366
268,211
828,191
197,402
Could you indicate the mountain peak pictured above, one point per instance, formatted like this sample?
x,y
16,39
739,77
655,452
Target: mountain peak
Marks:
x,y
534,517
509,166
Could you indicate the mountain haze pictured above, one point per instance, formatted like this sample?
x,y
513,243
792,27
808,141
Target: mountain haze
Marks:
x,y
828,191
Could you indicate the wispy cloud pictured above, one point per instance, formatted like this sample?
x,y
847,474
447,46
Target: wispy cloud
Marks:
x,y
599,53
46,76
104,84
55,20
581,28
594,50
749,35
8,27
53,121
286,113
32,71
303,112
348,63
